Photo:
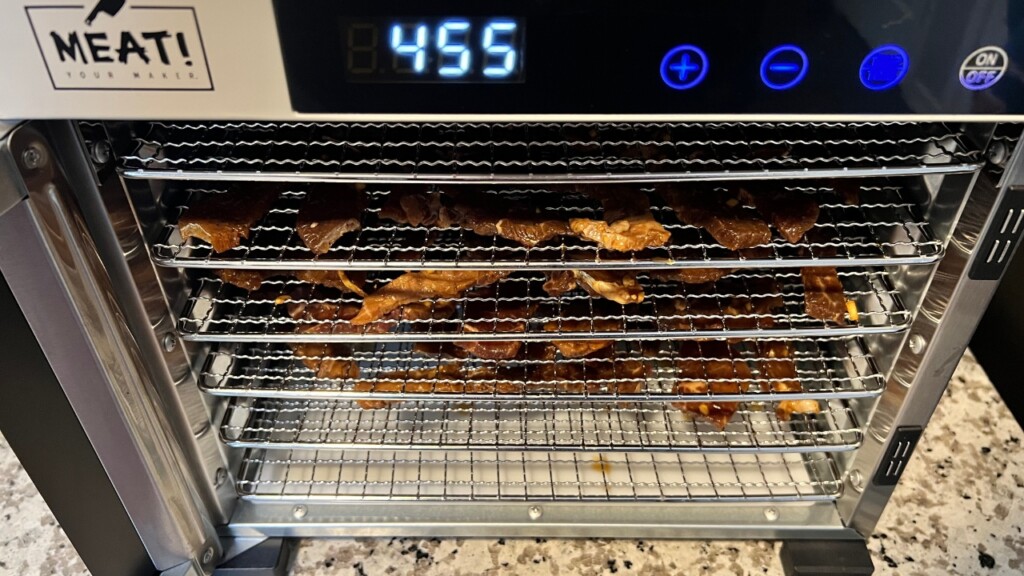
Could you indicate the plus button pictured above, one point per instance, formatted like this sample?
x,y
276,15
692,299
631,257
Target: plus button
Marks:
x,y
684,67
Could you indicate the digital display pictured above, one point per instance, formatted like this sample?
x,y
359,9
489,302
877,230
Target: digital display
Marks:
x,y
439,50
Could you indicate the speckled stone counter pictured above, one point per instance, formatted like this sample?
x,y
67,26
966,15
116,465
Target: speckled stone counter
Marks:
x,y
958,510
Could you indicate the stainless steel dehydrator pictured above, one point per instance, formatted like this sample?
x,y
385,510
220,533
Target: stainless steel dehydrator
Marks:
x,y
194,415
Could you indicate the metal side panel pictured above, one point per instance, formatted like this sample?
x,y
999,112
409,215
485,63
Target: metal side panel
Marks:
x,y
65,294
949,313
57,454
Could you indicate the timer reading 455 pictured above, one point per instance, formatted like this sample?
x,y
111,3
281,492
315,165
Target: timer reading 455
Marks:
x,y
453,49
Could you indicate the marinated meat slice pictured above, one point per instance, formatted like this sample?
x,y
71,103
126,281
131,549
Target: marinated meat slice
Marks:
x,y
792,213
493,215
723,218
225,219
581,348
252,279
711,312
617,286
710,366
416,286
328,318
559,282
691,275
247,279
412,206
337,279
440,350
627,224
331,360
621,376
562,376
626,235
778,367
323,317
509,318
602,375
824,298
437,380
327,214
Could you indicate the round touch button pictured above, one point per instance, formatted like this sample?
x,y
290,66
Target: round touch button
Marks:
x,y
983,68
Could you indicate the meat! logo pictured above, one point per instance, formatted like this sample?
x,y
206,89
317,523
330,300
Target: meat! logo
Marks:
x,y
114,46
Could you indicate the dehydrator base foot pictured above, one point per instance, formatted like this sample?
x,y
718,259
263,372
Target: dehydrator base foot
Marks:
x,y
826,558
272,557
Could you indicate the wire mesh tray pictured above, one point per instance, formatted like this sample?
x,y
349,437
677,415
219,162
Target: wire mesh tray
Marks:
x,y
884,229
824,369
387,475
394,152
543,425
216,311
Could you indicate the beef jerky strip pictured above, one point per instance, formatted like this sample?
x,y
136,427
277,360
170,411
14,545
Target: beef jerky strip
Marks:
x,y
691,275
618,286
432,381
824,298
337,279
508,318
225,219
708,312
412,206
792,213
327,360
581,348
710,366
327,318
721,216
416,286
778,367
492,215
328,213
627,224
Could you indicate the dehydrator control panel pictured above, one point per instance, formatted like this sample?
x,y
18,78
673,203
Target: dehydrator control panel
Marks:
x,y
605,57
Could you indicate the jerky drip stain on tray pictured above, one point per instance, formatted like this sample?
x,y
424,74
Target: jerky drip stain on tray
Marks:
x,y
328,213
627,224
720,214
225,219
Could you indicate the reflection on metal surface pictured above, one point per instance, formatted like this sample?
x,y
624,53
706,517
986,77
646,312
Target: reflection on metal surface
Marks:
x,y
951,308
94,357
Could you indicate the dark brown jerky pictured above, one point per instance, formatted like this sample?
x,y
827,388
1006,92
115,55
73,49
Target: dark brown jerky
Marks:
x,y
723,218
225,219
328,213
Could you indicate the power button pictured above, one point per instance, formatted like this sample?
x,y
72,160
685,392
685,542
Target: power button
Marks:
x,y
983,68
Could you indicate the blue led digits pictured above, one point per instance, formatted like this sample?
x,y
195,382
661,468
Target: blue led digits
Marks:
x,y
683,67
416,49
784,67
499,55
451,43
884,67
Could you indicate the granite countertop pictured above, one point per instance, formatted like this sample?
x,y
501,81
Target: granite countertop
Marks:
x,y
959,509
